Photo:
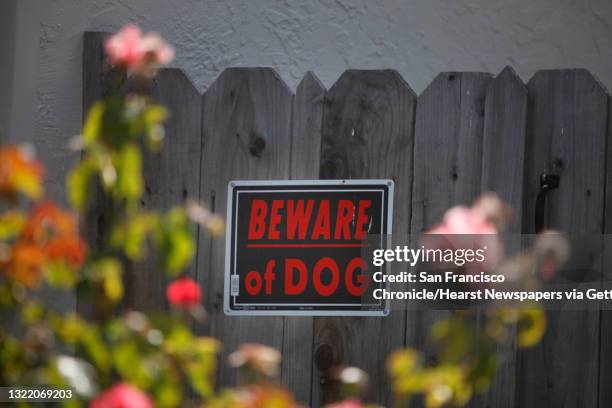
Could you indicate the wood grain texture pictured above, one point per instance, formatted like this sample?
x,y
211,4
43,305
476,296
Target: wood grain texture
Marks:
x,y
566,134
502,172
246,131
466,133
305,157
447,166
367,133
97,84
605,357
170,177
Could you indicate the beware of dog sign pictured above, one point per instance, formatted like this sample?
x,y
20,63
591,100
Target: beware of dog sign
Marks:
x,y
297,247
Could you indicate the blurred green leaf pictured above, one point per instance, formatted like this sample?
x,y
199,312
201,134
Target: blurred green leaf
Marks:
x,y
129,362
32,311
129,173
531,326
60,274
111,272
11,223
175,240
93,122
202,365
155,114
169,390
454,337
78,184
95,348
132,233
178,340
69,328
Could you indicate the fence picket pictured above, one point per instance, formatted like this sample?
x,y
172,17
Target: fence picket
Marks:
x,y
605,352
502,172
566,134
305,153
367,116
246,128
447,165
466,133
168,181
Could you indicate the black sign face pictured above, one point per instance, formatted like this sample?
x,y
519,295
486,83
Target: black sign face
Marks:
x,y
297,247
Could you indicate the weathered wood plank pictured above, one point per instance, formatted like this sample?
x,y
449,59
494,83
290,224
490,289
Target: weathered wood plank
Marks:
x,y
566,134
97,84
448,145
367,133
502,172
447,166
305,153
170,176
605,357
246,131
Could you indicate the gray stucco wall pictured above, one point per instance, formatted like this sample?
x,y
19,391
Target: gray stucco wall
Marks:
x,y
417,38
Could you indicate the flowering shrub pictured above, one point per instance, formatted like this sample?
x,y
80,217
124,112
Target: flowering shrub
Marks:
x,y
113,358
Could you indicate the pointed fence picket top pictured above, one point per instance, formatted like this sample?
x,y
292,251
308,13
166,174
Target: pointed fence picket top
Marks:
x,y
168,181
367,133
566,135
305,154
246,128
466,133
447,165
503,146
505,124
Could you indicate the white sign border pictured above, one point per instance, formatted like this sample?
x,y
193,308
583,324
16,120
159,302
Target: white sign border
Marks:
x,y
390,185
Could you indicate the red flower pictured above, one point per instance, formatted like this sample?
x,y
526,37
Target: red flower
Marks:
x,y
183,292
122,395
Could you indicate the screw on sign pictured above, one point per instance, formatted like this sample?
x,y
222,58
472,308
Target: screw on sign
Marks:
x,y
297,247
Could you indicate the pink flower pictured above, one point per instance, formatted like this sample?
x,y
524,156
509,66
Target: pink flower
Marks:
x,y
122,395
463,220
184,292
473,229
348,403
137,53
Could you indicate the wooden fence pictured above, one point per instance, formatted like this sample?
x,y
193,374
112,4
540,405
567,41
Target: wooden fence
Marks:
x,y
466,133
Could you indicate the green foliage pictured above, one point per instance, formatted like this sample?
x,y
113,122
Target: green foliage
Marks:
x,y
104,344
174,238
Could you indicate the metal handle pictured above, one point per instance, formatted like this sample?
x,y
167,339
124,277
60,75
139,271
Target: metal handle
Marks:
x,y
547,182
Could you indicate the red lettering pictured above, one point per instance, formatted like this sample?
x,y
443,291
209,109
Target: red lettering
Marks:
x,y
253,283
257,223
297,218
295,288
321,225
269,276
320,287
363,281
362,219
346,210
275,219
